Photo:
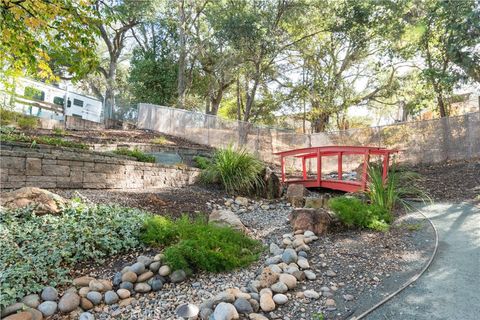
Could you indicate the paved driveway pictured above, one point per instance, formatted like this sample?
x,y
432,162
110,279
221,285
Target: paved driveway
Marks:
x,y
450,288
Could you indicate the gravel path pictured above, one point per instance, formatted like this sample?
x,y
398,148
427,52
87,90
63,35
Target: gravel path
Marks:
x,y
449,289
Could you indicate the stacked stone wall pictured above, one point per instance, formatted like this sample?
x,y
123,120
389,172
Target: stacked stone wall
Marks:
x,y
64,168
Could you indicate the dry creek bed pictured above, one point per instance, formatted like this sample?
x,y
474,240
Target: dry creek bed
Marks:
x,y
367,266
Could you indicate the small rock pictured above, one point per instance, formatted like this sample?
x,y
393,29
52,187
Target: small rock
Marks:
x,y
86,304
266,302
48,308
303,263
159,257
256,316
69,302
330,303
111,297
156,285
242,201
142,287
145,276
255,304
348,297
32,300
19,316
309,233
303,254
123,293
205,313
273,260
310,275
279,287
86,316
49,294
225,311
155,266
178,276
275,249
164,271
138,268
289,255
243,306
145,260
129,276
126,285
224,297
299,275
311,294
289,280
331,273
280,298
126,302
95,297
117,279
96,285
187,310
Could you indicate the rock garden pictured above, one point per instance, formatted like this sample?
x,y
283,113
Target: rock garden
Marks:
x,y
304,255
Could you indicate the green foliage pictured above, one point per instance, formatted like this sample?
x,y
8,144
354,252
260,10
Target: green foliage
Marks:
x,y
12,136
202,162
196,245
355,213
27,123
236,170
59,132
137,154
378,225
397,186
38,250
7,116
160,141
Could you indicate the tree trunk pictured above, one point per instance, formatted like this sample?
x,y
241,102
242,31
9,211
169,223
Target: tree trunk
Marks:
x,y
110,91
320,122
182,55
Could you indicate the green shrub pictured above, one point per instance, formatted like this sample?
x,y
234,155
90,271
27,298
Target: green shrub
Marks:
x,y
38,250
197,245
27,123
58,132
236,170
397,186
378,225
7,116
202,162
12,136
355,213
160,141
137,154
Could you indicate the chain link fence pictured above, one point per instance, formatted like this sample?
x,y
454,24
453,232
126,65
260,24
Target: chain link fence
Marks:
x,y
454,138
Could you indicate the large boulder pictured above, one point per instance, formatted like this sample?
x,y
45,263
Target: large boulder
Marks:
x,y
296,194
44,201
272,186
226,218
315,220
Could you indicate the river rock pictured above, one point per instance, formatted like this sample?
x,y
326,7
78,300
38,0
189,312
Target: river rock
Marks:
x,y
178,276
164,271
142,287
48,308
266,302
267,277
280,298
32,300
69,302
156,284
311,294
20,316
275,249
145,260
289,255
117,279
129,276
155,266
225,311
95,297
243,306
123,293
303,263
279,287
145,276
138,268
86,304
12,309
86,316
126,285
310,275
226,218
187,311
256,316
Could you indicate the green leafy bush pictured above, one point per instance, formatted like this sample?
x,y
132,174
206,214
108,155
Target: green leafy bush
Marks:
x,y
197,245
160,141
7,116
137,154
27,123
236,170
202,162
58,132
38,250
398,185
355,213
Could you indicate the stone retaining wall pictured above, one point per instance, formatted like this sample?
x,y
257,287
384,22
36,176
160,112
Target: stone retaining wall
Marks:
x,y
65,168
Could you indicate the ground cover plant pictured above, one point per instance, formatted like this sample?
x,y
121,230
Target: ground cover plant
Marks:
x,y
38,250
193,245
202,162
10,117
236,170
10,135
137,154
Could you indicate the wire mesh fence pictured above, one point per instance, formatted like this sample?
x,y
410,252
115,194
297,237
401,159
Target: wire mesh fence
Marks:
x,y
453,138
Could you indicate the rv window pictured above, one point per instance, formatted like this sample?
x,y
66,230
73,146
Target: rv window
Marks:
x,y
58,100
34,93
78,103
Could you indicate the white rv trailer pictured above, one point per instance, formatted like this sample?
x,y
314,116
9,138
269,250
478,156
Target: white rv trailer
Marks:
x,y
46,101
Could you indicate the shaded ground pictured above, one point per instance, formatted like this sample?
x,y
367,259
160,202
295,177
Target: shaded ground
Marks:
x,y
451,181
449,288
191,200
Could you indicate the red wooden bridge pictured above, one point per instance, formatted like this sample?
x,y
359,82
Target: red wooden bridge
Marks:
x,y
337,184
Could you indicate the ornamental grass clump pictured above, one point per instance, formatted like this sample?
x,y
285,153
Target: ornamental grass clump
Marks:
x,y
237,171
193,245
38,250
